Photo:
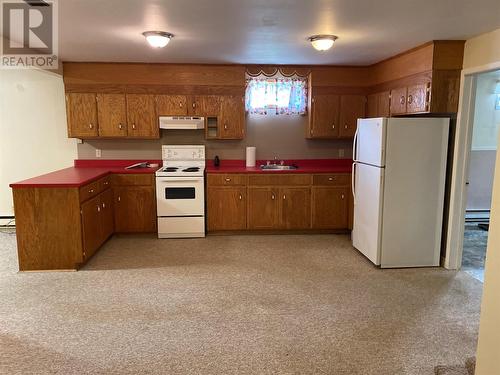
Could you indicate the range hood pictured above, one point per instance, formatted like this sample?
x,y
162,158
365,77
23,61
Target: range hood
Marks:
x,y
182,122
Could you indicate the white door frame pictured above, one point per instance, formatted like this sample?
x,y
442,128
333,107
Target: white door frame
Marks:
x,y
461,158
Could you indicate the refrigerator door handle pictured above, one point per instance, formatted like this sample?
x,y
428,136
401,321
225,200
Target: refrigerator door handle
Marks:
x,y
352,180
354,145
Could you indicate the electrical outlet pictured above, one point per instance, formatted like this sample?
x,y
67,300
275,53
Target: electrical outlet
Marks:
x,y
341,153
97,153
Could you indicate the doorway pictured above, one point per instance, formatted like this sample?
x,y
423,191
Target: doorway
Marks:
x,y
473,172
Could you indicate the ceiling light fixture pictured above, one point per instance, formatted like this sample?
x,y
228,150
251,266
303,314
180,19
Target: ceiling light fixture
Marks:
x,y
322,42
157,39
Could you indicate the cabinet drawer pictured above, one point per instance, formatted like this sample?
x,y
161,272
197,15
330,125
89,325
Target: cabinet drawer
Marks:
x,y
104,183
282,180
331,179
133,179
228,179
90,190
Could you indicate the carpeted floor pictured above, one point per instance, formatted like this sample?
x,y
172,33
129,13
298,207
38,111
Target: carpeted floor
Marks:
x,y
233,305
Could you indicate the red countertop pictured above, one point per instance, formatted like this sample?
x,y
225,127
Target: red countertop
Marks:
x,y
83,172
304,166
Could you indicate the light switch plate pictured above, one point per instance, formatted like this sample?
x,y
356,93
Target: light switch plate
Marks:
x,y
97,153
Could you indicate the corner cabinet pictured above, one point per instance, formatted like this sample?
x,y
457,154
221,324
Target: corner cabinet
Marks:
x,y
335,116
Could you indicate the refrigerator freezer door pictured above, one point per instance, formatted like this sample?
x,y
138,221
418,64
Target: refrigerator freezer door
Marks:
x,y
370,141
414,185
368,201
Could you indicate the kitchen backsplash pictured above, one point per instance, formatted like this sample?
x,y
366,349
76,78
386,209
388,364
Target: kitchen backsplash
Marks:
x,y
280,136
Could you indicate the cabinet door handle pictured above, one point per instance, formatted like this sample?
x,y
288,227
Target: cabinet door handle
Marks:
x,y
402,99
91,126
333,126
194,104
410,99
133,126
103,205
241,197
330,178
106,183
225,126
120,126
273,197
98,208
119,199
346,126
284,196
342,196
180,104
227,179
91,191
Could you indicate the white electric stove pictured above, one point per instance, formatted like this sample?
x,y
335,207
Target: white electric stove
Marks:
x,y
180,192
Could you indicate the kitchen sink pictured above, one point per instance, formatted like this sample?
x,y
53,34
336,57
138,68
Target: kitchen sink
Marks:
x,y
277,167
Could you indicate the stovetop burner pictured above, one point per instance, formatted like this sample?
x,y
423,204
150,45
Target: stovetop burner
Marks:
x,y
191,169
170,169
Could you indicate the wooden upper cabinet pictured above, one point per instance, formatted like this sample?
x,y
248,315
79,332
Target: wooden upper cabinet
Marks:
x,y
384,104
398,101
263,207
295,208
112,114
324,120
171,105
81,110
352,107
210,105
417,98
231,121
372,105
141,116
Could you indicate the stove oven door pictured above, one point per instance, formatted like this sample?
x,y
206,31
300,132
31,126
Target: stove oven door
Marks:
x,y
180,196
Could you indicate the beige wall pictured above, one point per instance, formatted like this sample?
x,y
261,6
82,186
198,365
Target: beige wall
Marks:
x,y
280,136
480,51
33,136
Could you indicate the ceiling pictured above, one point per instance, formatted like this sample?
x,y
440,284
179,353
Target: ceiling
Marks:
x,y
264,31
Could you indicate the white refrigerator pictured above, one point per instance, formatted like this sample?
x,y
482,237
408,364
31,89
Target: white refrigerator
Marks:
x,y
399,173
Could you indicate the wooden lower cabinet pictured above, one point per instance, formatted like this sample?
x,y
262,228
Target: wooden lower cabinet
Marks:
x,y
263,208
91,226
135,209
330,209
278,202
295,212
226,208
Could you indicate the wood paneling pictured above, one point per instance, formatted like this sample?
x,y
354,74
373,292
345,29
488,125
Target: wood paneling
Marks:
x,y
153,74
141,116
340,76
226,208
43,216
448,54
171,105
372,105
112,114
329,207
352,107
445,91
81,110
135,209
263,207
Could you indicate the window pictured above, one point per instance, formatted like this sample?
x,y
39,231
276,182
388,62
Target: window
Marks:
x,y
276,95
497,102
